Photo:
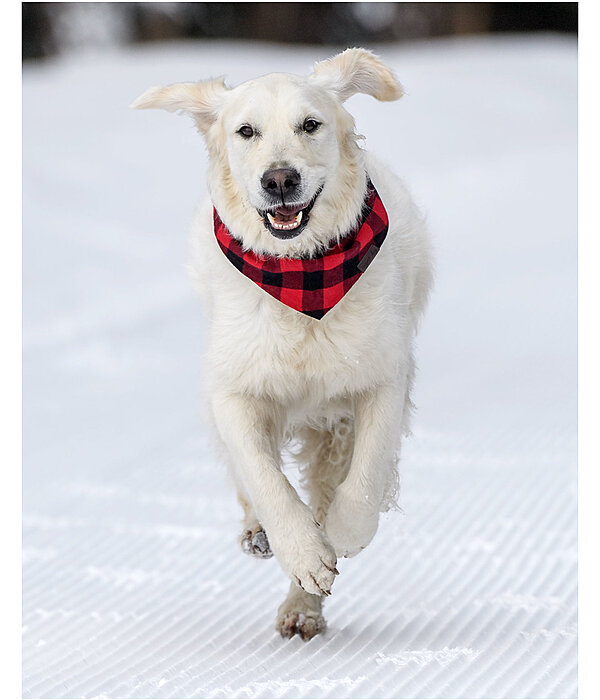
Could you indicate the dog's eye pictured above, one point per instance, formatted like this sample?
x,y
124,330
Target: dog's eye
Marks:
x,y
310,125
246,131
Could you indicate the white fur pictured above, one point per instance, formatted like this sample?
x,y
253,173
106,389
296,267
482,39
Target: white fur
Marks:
x,y
275,373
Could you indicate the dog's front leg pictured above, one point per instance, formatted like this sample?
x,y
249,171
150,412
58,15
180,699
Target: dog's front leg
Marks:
x,y
249,427
353,515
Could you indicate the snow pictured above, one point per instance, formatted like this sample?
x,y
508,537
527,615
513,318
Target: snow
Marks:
x,y
133,582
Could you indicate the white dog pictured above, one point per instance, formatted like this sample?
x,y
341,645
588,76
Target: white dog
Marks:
x,y
303,346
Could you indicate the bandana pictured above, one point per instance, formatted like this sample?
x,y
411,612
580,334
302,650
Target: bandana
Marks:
x,y
313,286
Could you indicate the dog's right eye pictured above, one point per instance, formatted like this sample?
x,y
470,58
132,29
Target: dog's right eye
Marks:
x,y
311,125
246,131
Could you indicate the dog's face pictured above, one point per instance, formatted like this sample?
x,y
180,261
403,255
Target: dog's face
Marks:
x,y
282,148
286,172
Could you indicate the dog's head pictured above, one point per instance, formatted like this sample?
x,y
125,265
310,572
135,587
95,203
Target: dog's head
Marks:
x,y
286,174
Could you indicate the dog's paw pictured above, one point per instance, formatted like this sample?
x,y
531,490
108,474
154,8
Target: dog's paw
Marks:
x,y
305,623
316,573
307,558
255,543
350,525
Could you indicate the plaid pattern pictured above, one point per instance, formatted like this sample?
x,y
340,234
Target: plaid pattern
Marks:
x,y
313,286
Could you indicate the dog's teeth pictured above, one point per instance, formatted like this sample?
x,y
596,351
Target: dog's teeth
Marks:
x,y
287,226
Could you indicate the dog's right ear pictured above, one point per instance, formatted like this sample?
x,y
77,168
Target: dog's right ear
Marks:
x,y
201,100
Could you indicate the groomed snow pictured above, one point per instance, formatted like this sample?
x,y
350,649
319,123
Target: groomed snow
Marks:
x,y
133,583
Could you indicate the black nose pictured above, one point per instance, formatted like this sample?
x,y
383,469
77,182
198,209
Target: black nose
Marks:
x,y
280,181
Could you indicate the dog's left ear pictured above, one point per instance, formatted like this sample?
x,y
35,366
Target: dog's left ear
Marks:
x,y
201,100
357,70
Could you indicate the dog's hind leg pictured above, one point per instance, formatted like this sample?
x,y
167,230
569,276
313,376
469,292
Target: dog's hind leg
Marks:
x,y
326,455
253,539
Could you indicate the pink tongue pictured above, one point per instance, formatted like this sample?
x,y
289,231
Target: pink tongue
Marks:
x,y
286,213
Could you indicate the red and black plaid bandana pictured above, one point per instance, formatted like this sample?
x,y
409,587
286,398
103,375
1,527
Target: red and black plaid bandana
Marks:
x,y
313,286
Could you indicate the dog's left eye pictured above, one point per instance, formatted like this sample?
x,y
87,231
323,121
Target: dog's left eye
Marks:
x,y
246,131
310,125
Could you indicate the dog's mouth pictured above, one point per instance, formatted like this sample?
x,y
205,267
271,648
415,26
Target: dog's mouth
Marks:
x,y
288,220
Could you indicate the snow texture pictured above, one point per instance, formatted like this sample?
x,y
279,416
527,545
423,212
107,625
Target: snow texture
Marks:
x,y
134,584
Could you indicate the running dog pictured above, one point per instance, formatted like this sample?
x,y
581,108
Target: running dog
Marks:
x,y
315,267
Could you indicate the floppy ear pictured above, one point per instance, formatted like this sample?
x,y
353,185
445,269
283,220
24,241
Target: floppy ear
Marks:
x,y
201,100
357,70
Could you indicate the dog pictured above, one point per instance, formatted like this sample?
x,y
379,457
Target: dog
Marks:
x,y
315,267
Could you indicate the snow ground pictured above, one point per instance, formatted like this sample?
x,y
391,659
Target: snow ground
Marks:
x,y
133,584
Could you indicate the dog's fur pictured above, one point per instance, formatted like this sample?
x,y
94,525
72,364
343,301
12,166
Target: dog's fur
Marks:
x,y
339,387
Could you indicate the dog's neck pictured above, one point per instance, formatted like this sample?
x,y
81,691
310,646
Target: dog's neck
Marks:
x,y
336,212
313,285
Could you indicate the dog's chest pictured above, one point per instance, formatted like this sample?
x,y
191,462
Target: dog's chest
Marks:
x,y
278,352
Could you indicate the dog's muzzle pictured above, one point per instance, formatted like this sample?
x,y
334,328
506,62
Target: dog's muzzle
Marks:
x,y
288,220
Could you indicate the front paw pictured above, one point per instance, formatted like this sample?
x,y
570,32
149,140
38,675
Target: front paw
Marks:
x,y
350,524
306,624
307,558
